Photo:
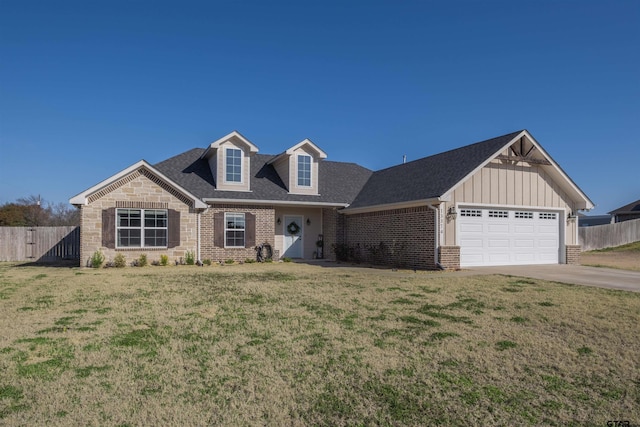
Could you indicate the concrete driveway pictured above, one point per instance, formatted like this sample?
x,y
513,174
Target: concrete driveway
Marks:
x,y
608,278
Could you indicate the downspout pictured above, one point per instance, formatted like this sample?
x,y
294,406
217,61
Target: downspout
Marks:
x,y
436,234
198,236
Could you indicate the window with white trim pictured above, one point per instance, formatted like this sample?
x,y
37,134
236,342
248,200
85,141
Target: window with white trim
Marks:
x,y
233,165
304,170
141,228
471,212
524,215
498,214
234,230
547,215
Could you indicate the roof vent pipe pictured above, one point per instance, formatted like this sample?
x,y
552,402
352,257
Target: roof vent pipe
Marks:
x,y
404,158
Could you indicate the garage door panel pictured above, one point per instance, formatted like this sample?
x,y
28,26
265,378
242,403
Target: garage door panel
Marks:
x,y
472,243
498,228
498,243
523,229
516,238
524,243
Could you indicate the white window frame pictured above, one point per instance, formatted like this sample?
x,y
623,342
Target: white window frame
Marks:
x,y
226,229
142,228
299,156
226,160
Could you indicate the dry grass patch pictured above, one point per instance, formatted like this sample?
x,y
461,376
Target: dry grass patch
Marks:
x,y
625,257
289,344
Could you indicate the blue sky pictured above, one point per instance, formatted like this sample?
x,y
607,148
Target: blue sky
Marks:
x,y
88,88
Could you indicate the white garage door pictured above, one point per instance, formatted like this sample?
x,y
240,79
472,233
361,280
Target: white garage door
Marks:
x,y
494,236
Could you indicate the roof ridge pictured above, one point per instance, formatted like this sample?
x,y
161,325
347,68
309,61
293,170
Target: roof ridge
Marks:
x,y
451,150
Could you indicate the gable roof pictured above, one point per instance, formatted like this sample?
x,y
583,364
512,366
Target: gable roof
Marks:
x,y
429,177
339,182
83,198
304,143
631,208
433,178
234,135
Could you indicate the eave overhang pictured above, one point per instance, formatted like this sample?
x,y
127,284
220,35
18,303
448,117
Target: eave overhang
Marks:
x,y
400,205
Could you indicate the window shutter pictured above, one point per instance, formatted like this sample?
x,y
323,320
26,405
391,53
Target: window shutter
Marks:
x,y
174,228
218,229
109,228
249,230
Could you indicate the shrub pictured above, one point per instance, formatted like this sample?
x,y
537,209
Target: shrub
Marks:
x,y
190,258
164,259
229,261
142,260
286,259
249,261
119,261
97,259
206,261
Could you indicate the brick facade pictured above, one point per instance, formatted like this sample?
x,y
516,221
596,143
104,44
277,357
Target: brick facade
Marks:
x,y
265,232
329,230
449,257
138,189
397,237
573,254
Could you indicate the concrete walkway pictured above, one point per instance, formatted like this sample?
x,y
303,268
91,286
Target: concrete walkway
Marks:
x,y
608,278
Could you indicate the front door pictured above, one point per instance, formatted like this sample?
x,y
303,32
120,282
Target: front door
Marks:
x,y
292,236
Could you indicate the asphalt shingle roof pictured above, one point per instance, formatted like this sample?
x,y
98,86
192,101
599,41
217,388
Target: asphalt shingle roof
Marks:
x,y
339,182
428,177
633,207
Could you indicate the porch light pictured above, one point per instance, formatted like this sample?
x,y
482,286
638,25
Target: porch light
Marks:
x,y
451,213
308,221
278,221
571,217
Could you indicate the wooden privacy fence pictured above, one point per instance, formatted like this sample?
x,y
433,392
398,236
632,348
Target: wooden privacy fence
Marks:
x,y
609,235
39,244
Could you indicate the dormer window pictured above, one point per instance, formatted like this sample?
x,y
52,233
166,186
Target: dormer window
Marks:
x,y
304,170
233,165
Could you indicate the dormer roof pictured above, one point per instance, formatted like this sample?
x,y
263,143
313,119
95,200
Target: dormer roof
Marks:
x,y
234,137
305,144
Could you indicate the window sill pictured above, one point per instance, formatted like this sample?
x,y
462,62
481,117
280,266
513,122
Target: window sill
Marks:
x,y
146,248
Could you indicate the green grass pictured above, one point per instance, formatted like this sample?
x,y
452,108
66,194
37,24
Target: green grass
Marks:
x,y
290,344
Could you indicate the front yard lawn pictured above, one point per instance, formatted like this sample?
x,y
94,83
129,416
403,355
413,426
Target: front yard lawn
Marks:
x,y
292,344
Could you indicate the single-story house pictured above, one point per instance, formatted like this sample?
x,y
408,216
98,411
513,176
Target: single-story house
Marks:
x,y
627,212
496,202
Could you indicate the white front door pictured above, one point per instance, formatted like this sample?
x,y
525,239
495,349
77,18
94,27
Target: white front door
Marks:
x,y
292,236
498,236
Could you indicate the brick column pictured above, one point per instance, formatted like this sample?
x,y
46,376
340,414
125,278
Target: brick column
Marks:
x,y
449,257
573,254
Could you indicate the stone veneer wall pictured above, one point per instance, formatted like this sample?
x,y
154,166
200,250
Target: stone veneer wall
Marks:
x,y
138,189
406,234
265,232
573,254
449,257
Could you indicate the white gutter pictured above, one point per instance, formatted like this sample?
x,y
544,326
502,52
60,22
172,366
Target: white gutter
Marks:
x,y
273,202
389,206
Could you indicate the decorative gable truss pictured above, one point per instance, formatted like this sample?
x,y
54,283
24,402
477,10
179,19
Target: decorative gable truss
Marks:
x,y
230,161
298,167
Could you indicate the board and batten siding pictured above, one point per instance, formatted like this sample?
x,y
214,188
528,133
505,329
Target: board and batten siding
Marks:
x,y
504,184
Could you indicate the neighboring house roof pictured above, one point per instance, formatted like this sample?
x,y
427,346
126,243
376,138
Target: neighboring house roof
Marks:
x,y
591,220
631,208
433,177
339,182
83,198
